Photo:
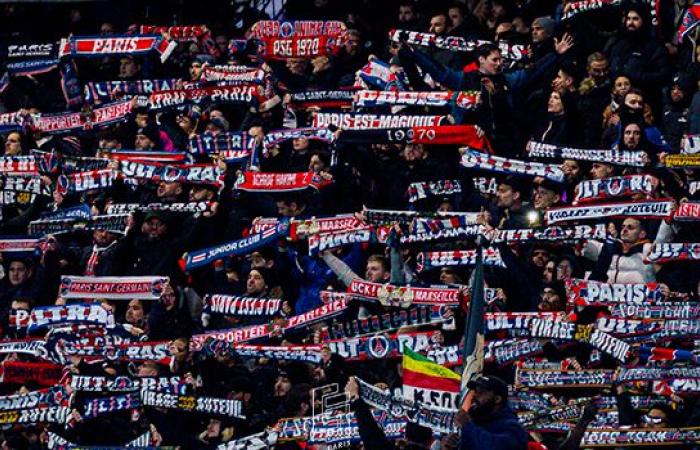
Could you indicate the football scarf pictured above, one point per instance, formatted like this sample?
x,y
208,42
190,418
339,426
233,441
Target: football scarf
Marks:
x,y
497,321
15,121
18,165
85,181
280,48
274,138
326,311
514,52
303,353
465,135
246,245
656,311
595,293
280,182
614,347
504,352
55,396
243,94
253,76
303,228
383,346
617,157
358,121
71,122
33,347
616,187
380,75
691,19
56,442
8,244
185,173
553,233
140,351
453,258
302,28
241,306
322,99
404,296
98,47
81,211
113,223
321,242
482,161
108,91
31,184
52,316
423,189
241,334
258,441
90,383
437,419
52,414
389,321
113,288
443,234
682,161
232,145
555,379
370,99
43,374
616,437
661,209
126,208
687,211
98,406
486,185
142,156
206,405
669,252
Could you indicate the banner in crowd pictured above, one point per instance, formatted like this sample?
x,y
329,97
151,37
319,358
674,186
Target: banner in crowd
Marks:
x,y
113,288
615,157
128,44
465,135
359,121
661,209
429,383
615,437
184,173
322,99
115,223
321,242
465,99
108,91
596,293
206,405
390,295
241,306
382,346
244,246
556,379
389,321
675,251
241,94
96,383
452,258
616,187
61,315
476,160
423,189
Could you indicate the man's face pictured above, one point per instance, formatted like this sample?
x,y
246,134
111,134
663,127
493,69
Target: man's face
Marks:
x,y
598,70
19,273
634,101
255,284
447,276
483,402
405,14
677,94
456,16
258,261
285,209
622,86
491,64
195,70
599,171
540,257
154,228
562,82
102,238
550,301
438,24
506,196
633,21
632,136
168,189
632,231
352,45
282,386
147,370
316,164
13,144
300,144
128,68
544,198
134,312
539,34
375,272
571,168
413,152
143,142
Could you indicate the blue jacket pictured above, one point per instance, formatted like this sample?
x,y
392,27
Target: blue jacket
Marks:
x,y
501,431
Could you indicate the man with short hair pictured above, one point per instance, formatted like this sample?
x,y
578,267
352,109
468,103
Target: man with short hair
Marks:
x,y
594,96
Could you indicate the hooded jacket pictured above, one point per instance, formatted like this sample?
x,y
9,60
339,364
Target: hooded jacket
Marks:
x,y
500,431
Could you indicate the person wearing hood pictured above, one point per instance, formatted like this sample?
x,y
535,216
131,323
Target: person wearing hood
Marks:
x,y
636,54
675,120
